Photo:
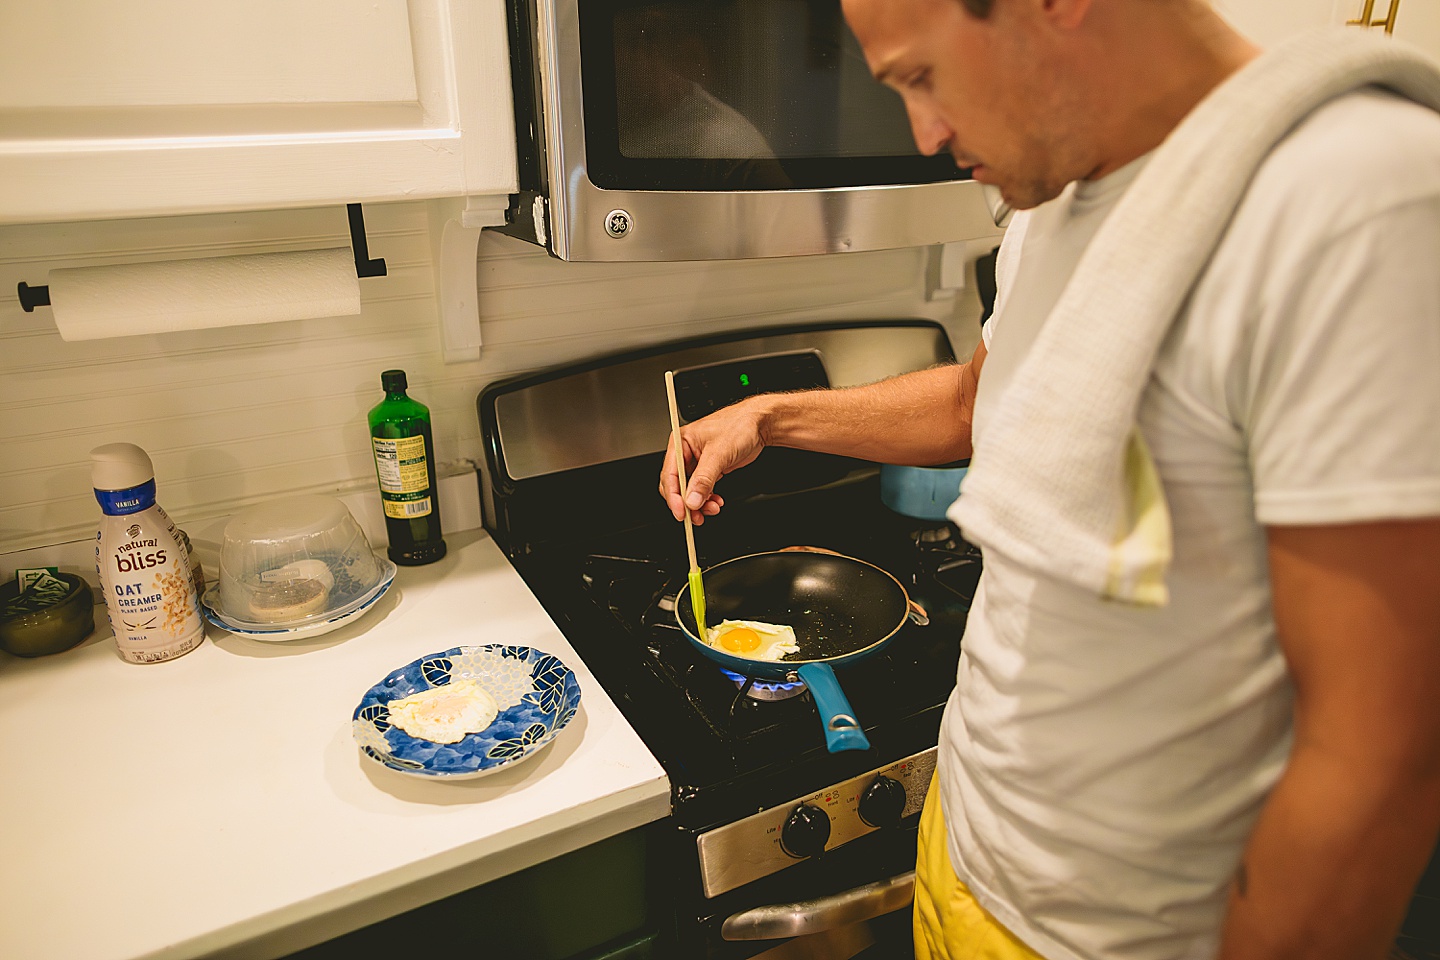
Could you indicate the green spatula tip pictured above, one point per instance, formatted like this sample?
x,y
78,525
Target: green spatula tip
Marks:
x,y
697,601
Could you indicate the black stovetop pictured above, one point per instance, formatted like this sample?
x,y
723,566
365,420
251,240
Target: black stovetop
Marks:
x,y
728,754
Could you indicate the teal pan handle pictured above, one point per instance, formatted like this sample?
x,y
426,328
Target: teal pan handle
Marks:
x,y
842,730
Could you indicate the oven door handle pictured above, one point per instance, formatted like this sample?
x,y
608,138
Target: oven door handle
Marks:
x,y
778,920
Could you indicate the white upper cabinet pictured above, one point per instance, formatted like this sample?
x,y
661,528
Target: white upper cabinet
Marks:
x,y
159,107
1267,21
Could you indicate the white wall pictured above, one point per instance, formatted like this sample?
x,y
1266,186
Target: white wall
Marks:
x,y
1269,21
244,414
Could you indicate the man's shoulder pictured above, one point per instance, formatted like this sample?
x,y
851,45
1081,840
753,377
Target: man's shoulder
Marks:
x,y
1353,158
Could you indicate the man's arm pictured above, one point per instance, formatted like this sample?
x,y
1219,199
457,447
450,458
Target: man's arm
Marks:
x,y
1342,840
918,418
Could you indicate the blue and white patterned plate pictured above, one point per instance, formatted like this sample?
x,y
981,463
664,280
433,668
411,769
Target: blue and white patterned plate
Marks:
x,y
536,693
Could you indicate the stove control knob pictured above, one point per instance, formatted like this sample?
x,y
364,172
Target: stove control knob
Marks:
x,y
883,802
806,831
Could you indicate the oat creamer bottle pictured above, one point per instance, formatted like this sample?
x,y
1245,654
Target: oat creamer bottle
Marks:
x,y
144,569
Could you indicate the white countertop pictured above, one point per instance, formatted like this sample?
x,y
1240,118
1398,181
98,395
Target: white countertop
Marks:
x,y
217,804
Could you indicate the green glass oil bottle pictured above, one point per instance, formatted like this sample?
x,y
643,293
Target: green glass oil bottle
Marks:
x,y
405,466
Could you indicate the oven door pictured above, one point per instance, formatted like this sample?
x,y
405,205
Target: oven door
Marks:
x,y
710,129
838,926
854,898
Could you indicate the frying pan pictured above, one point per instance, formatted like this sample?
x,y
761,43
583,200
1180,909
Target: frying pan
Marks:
x,y
843,610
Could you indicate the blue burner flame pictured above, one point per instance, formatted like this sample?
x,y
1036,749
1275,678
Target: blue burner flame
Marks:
x,y
763,684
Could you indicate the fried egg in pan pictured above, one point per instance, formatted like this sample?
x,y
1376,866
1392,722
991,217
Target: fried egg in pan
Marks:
x,y
753,639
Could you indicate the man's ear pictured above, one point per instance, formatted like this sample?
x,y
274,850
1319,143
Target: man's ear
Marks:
x,y
1066,14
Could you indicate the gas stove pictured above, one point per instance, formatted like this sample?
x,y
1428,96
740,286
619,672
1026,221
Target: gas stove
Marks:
x,y
729,741
761,811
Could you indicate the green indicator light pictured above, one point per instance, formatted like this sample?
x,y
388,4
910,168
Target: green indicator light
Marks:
x,y
744,379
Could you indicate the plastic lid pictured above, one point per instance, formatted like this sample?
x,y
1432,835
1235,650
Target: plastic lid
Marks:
x,y
290,562
288,521
393,380
120,466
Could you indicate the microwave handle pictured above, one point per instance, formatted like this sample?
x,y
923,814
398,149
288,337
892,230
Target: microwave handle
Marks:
x,y
1000,211
778,920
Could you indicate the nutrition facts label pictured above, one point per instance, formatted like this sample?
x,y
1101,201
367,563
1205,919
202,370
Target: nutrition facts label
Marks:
x,y
404,476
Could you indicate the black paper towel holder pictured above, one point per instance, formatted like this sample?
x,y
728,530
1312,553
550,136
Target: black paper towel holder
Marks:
x,y
32,297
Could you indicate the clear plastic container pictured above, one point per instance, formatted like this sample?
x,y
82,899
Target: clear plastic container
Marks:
x,y
293,562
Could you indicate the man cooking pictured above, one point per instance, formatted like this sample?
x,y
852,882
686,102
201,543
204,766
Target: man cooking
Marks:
x,y
1200,719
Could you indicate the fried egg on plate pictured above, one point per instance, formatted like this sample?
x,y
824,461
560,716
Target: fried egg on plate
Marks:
x,y
445,714
753,639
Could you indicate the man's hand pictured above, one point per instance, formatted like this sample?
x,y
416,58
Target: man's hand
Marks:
x,y
1343,838
917,418
727,440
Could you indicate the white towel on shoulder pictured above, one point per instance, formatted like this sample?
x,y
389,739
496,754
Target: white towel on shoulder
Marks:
x,y
1062,482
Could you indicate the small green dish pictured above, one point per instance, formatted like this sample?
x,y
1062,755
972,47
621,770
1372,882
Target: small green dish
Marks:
x,y
28,632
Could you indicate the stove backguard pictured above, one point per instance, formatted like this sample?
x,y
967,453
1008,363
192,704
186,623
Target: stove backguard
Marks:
x,y
594,426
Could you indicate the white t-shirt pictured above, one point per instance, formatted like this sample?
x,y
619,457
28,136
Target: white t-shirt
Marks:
x,y
1101,765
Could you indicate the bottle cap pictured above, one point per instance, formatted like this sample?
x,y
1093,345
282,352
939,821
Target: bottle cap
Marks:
x,y
120,466
393,380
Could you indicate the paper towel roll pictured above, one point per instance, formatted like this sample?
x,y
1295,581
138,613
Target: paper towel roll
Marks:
x,y
119,301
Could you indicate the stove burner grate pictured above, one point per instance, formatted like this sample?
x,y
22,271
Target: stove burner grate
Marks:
x,y
944,536
767,690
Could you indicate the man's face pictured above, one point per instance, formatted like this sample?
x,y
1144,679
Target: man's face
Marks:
x,y
985,90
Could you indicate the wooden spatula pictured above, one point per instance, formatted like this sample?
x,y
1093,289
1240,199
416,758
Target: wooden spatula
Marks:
x,y
697,589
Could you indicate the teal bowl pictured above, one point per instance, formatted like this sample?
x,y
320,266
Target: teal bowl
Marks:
x,y
921,492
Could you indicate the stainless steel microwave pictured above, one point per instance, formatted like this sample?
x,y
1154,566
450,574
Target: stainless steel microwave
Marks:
x,y
717,129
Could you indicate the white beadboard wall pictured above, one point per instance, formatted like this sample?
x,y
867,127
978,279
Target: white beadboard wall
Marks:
x,y
244,414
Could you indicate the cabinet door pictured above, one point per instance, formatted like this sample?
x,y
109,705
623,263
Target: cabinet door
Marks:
x,y
1415,21
156,107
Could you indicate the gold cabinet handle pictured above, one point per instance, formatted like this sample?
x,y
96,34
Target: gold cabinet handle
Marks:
x,y
1368,10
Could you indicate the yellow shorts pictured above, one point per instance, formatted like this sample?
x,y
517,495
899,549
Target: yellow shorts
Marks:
x,y
949,923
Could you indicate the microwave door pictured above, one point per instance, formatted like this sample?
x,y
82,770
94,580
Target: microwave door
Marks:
x,y
719,129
